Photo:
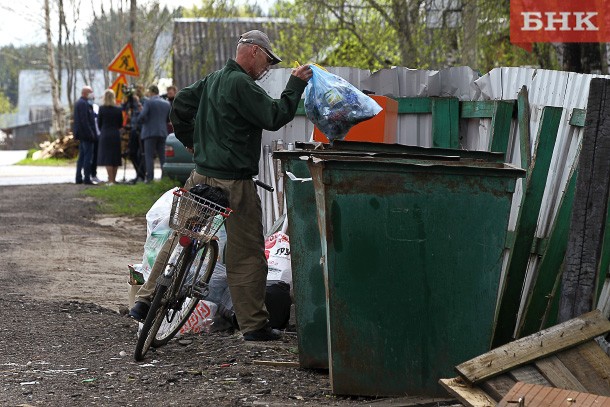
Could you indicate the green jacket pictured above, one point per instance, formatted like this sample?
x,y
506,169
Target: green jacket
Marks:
x,y
222,116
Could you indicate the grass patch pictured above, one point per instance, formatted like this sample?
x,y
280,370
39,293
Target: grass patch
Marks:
x,y
130,200
47,162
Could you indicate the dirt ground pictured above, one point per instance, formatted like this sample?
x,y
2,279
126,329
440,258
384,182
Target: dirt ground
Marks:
x,y
64,340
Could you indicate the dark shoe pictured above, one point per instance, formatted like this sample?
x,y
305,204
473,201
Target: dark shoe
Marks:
x,y
91,182
263,334
139,311
79,181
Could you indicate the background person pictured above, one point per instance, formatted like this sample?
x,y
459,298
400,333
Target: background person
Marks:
x,y
221,117
153,118
169,96
85,132
110,121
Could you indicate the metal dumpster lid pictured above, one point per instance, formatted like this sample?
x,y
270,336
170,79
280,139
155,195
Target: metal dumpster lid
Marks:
x,y
344,146
287,154
478,166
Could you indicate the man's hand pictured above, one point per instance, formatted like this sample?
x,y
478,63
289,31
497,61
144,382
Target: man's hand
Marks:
x,y
303,72
190,150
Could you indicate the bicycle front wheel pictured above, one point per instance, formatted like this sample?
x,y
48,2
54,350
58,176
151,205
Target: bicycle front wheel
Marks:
x,y
202,265
165,297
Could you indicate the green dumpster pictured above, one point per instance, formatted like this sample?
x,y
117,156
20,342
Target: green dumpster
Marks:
x,y
307,274
412,255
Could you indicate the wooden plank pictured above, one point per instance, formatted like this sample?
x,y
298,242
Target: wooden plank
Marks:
x,y
579,279
414,105
527,222
410,401
497,387
590,365
549,268
535,395
479,109
500,126
467,395
523,117
534,347
558,374
529,374
445,122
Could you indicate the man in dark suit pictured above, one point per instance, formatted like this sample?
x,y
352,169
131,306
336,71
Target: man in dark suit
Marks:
x,y
85,133
154,129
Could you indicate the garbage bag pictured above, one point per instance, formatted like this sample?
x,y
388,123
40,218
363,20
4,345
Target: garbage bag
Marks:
x,y
213,194
334,105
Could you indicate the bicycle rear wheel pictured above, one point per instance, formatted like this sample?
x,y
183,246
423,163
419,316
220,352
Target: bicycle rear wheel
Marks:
x,y
202,265
165,296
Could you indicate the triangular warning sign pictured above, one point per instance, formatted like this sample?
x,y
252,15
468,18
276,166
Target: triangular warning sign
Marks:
x,y
125,62
117,87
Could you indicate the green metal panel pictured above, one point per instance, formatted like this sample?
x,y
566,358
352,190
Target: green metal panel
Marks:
x,y
578,117
550,267
414,105
500,125
477,109
307,277
445,122
412,259
526,227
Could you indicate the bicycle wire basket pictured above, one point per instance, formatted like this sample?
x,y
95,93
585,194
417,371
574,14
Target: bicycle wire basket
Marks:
x,y
196,217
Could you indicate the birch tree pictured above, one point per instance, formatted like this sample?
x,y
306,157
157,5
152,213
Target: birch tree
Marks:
x,y
58,122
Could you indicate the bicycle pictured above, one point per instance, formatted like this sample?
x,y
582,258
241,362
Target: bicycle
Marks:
x,y
188,269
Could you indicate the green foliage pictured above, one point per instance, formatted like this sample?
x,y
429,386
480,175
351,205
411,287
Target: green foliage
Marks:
x,y
374,34
129,200
14,59
109,32
223,8
5,104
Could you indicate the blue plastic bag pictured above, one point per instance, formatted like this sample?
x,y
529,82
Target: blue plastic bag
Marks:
x,y
334,105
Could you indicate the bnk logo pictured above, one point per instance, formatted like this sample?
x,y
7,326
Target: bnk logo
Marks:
x,y
563,21
559,21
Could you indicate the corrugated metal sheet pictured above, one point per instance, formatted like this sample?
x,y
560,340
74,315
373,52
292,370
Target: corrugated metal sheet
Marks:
x,y
203,45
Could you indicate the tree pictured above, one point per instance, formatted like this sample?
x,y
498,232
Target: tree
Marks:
x,y
58,118
5,104
422,34
105,35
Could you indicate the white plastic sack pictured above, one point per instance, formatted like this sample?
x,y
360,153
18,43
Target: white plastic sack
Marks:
x,y
159,212
201,318
277,251
157,230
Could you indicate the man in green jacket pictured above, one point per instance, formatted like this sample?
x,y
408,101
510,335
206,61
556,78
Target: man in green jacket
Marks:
x,y
221,118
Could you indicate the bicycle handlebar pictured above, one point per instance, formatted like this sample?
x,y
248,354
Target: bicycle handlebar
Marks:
x,y
263,185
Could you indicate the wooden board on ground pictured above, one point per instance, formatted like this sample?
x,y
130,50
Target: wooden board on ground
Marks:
x,y
470,396
535,395
534,347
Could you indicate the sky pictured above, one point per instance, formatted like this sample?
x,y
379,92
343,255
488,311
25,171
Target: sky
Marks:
x,y
21,22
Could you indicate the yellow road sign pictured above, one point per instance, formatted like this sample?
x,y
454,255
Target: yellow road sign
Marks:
x,y
125,62
117,87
